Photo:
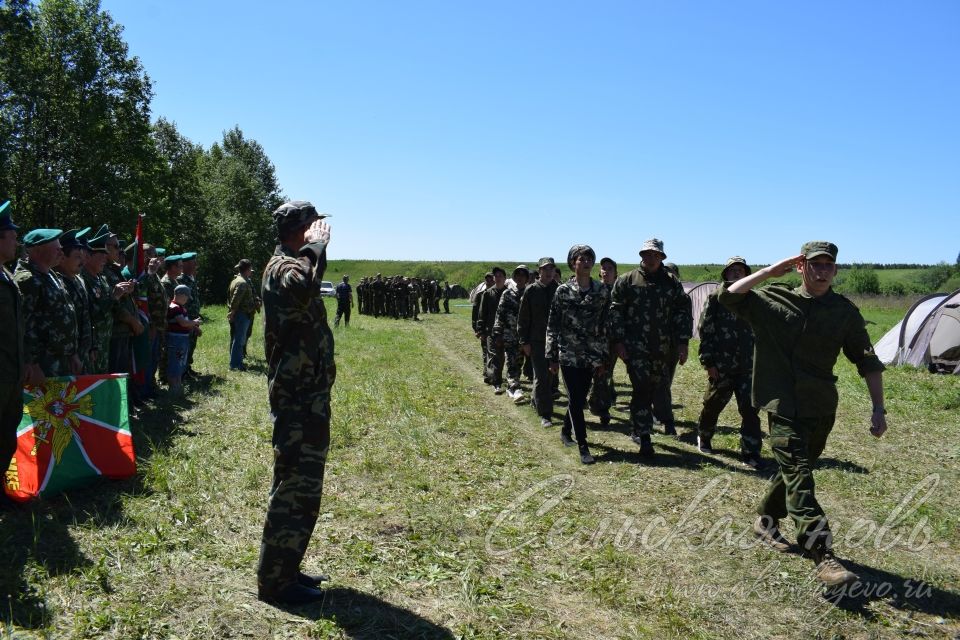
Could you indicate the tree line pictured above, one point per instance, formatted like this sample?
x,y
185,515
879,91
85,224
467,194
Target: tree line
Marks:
x,y
78,146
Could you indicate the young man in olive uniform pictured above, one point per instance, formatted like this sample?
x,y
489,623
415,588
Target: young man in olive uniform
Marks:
x,y
799,334
532,334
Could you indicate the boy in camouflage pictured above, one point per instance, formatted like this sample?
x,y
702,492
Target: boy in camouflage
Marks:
x,y
505,330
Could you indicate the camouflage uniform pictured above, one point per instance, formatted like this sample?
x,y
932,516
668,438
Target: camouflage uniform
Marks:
x,y
50,323
193,311
576,338
726,342
123,310
663,394
486,317
474,317
300,373
101,320
603,394
505,330
157,305
80,297
647,315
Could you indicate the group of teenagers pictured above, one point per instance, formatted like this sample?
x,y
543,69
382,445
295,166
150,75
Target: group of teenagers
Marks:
x,y
772,347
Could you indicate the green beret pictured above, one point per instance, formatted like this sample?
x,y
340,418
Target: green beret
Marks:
x,y
161,251
74,238
38,237
172,259
189,255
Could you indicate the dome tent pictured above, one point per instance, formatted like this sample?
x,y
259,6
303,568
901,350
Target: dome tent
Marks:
x,y
928,335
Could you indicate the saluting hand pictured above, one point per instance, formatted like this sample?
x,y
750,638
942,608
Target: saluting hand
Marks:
x,y
319,231
785,266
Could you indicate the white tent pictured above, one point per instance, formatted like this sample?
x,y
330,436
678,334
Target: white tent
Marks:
x,y
928,335
699,292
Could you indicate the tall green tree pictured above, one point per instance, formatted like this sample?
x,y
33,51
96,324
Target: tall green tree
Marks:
x,y
75,144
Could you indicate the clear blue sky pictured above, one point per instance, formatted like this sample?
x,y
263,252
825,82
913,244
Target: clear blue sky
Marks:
x,y
509,130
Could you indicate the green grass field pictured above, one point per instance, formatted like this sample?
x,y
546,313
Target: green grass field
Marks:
x,y
449,512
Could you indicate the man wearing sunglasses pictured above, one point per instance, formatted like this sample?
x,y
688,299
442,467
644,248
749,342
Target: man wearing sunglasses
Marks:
x,y
799,334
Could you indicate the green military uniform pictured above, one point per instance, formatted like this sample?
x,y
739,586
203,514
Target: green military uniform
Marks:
x,y
603,393
648,316
50,321
12,361
505,330
532,330
486,317
300,373
123,310
798,339
77,291
726,343
193,305
101,301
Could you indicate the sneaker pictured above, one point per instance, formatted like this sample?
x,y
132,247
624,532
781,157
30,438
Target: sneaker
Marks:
x,y
585,456
703,444
829,570
294,594
670,430
498,389
565,439
518,397
545,422
768,531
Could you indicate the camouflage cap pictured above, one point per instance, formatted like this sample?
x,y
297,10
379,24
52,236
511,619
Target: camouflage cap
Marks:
x,y
672,268
296,214
578,250
39,237
732,261
816,248
520,268
606,260
654,244
6,222
542,262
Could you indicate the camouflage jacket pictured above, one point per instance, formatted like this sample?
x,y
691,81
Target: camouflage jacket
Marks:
x,y
534,312
576,328
125,307
726,341
193,304
157,301
11,319
81,305
101,307
50,321
649,313
487,313
297,339
240,296
508,313
169,284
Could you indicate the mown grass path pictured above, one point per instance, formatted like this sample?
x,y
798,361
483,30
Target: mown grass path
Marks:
x,y
449,512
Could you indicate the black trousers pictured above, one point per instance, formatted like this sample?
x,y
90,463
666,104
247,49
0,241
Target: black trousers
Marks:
x,y
577,380
11,412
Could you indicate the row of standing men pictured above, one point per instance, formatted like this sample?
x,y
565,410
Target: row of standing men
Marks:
x,y
401,296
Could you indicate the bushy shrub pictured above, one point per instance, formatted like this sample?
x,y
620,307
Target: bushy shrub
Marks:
x,y
861,280
893,288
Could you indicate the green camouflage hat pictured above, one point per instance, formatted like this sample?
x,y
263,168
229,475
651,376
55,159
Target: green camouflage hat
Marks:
x,y
542,262
296,214
578,250
520,268
816,248
732,261
39,237
654,244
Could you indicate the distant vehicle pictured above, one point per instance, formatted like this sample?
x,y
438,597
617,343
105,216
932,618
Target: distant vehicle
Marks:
x,y
326,289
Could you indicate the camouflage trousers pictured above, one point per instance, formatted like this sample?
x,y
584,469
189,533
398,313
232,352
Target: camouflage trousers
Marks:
x,y
54,364
797,444
101,363
515,362
543,380
494,370
300,446
603,395
717,396
645,376
663,395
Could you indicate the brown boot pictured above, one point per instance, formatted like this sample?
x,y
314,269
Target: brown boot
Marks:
x,y
829,570
768,531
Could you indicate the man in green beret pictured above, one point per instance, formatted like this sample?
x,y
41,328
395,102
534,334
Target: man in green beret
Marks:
x,y
300,373
799,333
12,365
126,319
74,250
189,278
50,338
102,300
